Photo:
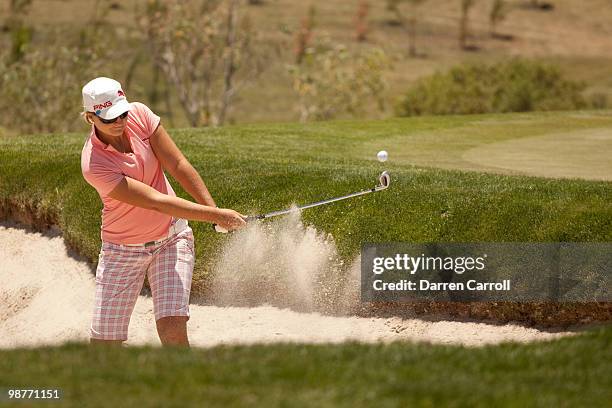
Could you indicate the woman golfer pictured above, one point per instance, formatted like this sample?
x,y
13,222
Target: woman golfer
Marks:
x,y
144,224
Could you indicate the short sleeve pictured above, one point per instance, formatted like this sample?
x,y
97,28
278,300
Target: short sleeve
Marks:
x,y
144,117
104,180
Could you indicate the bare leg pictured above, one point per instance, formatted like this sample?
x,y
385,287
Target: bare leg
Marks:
x,y
172,331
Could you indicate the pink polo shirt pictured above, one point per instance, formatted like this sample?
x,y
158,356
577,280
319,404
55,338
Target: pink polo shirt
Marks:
x,y
104,167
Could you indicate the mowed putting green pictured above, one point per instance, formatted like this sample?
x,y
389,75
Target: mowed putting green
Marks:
x,y
579,154
553,145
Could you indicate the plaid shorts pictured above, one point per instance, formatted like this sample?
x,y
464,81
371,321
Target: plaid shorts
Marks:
x,y
120,276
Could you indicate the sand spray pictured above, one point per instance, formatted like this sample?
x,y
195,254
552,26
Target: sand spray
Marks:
x,y
284,263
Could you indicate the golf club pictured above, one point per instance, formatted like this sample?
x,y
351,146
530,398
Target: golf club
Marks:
x,y
384,181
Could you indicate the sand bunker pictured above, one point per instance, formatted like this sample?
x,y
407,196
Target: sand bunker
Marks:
x,y
46,298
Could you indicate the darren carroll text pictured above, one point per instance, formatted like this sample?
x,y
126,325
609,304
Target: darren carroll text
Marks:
x,y
424,284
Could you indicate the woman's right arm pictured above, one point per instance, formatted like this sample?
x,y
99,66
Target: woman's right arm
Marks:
x,y
138,194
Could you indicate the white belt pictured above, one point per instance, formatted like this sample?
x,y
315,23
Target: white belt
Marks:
x,y
177,226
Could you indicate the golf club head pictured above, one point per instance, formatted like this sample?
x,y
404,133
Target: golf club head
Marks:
x,y
385,180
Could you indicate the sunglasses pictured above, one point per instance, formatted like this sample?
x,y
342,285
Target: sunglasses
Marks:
x,y
113,120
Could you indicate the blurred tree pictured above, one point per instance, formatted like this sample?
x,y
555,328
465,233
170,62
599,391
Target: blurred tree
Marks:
x,y
330,81
202,47
499,11
466,5
361,21
410,23
41,89
540,5
304,35
392,6
20,32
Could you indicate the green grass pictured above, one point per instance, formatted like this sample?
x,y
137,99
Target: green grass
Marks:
x,y
570,372
261,168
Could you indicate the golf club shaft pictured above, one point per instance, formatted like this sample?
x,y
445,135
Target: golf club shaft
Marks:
x,y
384,183
303,207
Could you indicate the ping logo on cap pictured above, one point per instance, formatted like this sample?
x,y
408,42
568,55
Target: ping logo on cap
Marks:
x,y
104,105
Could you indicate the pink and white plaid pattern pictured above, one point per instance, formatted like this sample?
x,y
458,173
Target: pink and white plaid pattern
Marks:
x,y
120,277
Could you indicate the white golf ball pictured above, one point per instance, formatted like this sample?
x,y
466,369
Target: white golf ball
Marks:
x,y
382,156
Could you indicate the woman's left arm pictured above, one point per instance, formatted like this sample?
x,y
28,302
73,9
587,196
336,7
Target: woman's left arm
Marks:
x,y
173,161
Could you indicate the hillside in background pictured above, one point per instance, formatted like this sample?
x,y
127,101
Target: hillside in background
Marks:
x,y
575,36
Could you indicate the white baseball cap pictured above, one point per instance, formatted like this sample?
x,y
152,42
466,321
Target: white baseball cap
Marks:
x,y
104,97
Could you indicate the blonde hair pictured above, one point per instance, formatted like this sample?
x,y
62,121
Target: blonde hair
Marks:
x,y
86,117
